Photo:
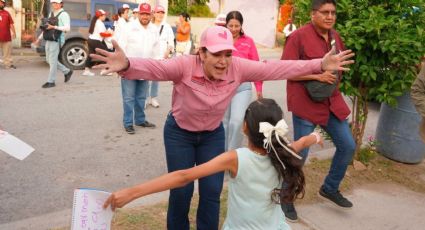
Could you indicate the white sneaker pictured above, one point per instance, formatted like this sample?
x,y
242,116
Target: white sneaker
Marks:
x,y
88,73
147,102
102,72
154,103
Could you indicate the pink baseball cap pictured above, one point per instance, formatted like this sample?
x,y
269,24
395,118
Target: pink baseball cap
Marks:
x,y
145,8
159,8
216,39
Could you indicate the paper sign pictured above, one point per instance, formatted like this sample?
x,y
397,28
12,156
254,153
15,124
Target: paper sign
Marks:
x,y
14,146
88,212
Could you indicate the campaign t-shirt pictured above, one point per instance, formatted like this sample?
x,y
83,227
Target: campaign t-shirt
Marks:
x,y
5,22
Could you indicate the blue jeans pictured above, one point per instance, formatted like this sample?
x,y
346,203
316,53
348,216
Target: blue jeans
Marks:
x,y
52,55
185,149
134,97
153,89
340,133
233,119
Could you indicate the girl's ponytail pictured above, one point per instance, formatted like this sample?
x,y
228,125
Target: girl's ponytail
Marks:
x,y
92,24
290,171
284,159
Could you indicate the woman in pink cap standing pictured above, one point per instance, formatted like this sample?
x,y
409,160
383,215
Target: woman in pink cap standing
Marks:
x,y
166,46
204,85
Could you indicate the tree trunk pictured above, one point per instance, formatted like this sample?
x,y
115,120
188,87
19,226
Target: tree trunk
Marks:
x,y
360,113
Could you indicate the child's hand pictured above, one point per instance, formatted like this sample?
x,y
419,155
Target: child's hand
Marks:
x,y
118,199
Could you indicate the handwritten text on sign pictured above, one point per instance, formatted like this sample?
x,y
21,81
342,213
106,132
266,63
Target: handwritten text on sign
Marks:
x,y
88,213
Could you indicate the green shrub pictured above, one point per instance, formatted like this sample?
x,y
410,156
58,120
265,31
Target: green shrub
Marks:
x,y
200,11
177,9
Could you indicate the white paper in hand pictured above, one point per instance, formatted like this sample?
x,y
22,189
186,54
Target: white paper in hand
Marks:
x,y
14,146
88,212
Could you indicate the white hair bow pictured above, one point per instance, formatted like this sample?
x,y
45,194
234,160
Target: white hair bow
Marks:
x,y
280,130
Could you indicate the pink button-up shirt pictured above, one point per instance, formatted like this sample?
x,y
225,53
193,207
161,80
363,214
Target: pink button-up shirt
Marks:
x,y
198,104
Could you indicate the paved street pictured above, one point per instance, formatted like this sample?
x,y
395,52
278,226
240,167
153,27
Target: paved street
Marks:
x,y
76,129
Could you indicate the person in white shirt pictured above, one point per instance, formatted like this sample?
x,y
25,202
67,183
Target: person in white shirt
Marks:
x,y
289,28
97,33
135,15
140,39
121,23
166,46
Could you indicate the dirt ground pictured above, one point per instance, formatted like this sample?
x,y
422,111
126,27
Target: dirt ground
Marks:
x,y
380,171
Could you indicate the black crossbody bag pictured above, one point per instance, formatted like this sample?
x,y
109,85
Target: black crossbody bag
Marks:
x,y
320,91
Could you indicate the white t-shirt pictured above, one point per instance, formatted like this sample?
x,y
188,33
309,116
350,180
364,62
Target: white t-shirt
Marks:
x,y
166,39
120,26
99,27
138,41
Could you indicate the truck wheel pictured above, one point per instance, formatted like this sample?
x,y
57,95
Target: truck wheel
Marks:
x,y
74,54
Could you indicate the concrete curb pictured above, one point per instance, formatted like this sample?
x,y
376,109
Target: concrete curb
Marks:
x,y
24,52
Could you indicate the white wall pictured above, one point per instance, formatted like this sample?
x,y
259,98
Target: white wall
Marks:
x,y
16,14
260,17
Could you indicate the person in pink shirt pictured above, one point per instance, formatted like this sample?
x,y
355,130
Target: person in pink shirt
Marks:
x,y
245,48
204,85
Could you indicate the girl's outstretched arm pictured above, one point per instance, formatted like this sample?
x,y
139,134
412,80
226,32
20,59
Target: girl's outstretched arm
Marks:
x,y
226,161
307,141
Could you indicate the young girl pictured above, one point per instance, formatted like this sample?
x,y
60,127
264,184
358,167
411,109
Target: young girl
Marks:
x,y
256,172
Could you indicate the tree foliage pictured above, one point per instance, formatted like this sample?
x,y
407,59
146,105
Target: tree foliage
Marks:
x,y
193,7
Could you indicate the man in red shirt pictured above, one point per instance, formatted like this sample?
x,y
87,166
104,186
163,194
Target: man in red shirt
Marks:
x,y
309,42
7,32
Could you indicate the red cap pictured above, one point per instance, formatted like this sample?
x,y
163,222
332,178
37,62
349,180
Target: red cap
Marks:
x,y
145,8
159,8
100,12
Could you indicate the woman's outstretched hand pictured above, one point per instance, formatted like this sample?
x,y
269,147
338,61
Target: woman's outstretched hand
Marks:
x,y
334,62
114,61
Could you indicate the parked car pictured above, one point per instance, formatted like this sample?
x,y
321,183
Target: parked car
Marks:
x,y
74,52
